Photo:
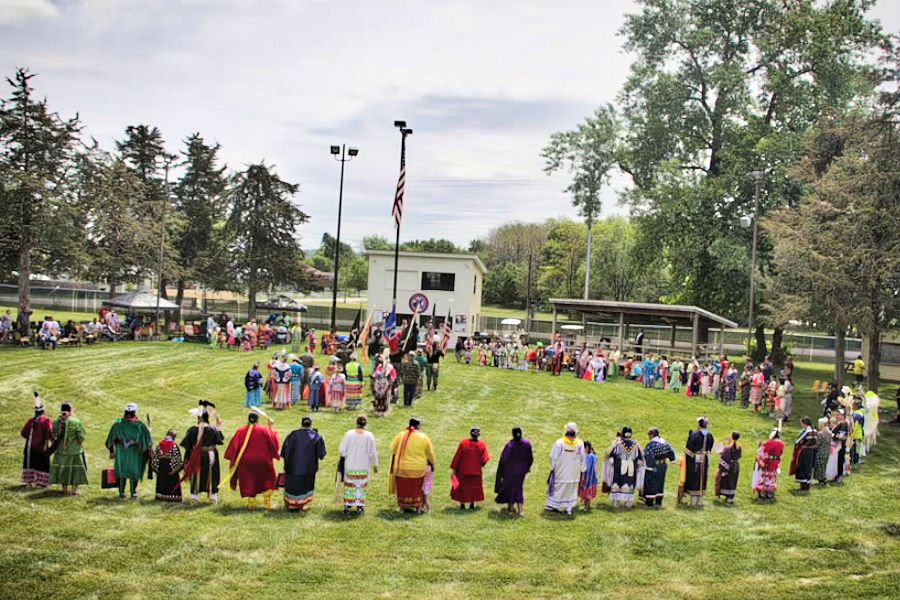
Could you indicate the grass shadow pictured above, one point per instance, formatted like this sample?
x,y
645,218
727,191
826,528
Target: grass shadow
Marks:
x,y
18,487
503,515
558,516
339,516
395,515
48,493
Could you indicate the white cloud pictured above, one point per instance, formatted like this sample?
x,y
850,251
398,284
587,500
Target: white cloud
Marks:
x,y
20,12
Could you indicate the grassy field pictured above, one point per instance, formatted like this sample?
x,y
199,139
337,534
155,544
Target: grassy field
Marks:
x,y
836,542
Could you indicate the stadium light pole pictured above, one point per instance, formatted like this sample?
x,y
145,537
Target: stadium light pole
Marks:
x,y
404,131
343,154
756,175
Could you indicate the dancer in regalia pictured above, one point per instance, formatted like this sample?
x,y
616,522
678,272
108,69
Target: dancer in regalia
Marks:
x,y
201,455
129,443
302,451
823,450
566,467
729,468
38,435
251,452
768,462
626,460
467,466
696,461
805,451
165,460
656,453
515,463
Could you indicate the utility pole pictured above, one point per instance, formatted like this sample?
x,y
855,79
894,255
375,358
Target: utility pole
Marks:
x,y
756,175
346,155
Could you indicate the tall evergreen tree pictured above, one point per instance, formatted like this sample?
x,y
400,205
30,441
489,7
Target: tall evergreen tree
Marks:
x,y
201,203
261,230
37,151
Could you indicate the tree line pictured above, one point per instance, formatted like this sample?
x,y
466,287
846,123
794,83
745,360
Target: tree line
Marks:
x,y
718,90
71,208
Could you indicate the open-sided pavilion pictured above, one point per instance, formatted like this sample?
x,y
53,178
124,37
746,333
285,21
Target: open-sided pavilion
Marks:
x,y
626,314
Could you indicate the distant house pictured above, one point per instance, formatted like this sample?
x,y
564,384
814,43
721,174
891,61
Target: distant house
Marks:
x,y
430,281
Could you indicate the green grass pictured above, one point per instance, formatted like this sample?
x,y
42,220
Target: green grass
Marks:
x,y
838,541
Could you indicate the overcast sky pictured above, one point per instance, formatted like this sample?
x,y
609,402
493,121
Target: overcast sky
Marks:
x,y
483,85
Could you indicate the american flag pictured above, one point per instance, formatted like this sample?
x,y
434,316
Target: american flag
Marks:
x,y
446,332
397,212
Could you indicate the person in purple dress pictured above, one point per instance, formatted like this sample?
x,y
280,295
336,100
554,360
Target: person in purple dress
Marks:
x,y
515,463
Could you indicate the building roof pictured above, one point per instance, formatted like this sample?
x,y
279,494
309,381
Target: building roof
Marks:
x,y
140,301
639,312
404,254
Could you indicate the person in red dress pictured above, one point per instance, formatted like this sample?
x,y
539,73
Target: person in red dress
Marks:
x,y
251,452
38,435
768,461
468,462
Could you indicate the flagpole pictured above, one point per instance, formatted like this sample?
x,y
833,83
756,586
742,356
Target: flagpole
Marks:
x,y
404,131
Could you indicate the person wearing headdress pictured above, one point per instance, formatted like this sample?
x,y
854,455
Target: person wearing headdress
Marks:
x,y
412,456
251,452
282,373
253,384
627,460
201,454
729,468
467,466
296,379
656,453
38,433
69,467
165,460
302,450
768,461
696,461
803,460
566,466
514,465
129,445
354,375
359,460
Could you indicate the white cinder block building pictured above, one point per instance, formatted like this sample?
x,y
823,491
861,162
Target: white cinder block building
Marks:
x,y
438,282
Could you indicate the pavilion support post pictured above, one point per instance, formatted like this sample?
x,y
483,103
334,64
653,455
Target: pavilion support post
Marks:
x,y
673,338
695,333
622,333
553,332
721,340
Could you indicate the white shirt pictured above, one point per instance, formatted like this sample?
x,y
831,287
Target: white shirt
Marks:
x,y
359,451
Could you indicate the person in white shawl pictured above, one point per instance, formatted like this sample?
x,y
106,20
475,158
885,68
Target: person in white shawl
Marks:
x,y
870,431
359,460
566,466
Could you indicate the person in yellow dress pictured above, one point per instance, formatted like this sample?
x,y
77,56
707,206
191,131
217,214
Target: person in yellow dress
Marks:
x,y
412,456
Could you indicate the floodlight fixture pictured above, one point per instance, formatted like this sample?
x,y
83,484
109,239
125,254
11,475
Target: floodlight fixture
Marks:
x,y
352,151
335,150
400,124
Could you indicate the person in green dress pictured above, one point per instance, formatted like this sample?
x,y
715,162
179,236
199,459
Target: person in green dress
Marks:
x,y
69,467
129,444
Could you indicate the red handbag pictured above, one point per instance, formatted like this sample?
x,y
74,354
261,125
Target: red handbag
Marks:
x,y
108,479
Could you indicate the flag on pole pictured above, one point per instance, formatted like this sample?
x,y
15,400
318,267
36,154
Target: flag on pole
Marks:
x,y
397,211
446,332
412,334
391,321
364,337
354,330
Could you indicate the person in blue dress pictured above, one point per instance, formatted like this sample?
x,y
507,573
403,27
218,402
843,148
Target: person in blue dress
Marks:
x,y
296,379
253,383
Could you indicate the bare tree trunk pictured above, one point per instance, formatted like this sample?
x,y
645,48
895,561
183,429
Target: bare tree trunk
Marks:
x,y
761,351
777,339
840,347
25,272
251,295
587,264
874,363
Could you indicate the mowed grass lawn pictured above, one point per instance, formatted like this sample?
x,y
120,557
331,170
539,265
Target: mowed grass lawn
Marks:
x,y
838,541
